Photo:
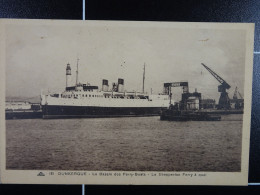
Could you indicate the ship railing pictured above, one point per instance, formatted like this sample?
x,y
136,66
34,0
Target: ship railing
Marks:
x,y
125,93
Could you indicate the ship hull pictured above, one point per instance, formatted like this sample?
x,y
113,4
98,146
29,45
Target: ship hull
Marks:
x,y
55,112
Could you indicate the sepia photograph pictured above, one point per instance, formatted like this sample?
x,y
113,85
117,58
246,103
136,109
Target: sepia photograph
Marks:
x,y
108,102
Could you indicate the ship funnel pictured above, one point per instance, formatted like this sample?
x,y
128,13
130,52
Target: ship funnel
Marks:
x,y
104,85
120,85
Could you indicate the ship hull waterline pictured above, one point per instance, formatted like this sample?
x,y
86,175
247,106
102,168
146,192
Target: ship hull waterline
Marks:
x,y
62,112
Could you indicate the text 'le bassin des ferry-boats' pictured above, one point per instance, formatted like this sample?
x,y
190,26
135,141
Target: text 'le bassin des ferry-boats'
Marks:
x,y
86,101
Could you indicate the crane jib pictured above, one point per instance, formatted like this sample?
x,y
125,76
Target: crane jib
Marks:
x,y
219,79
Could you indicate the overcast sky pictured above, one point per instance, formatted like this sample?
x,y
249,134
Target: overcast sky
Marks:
x,y
36,56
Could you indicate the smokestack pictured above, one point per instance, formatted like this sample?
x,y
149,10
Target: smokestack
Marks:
x,y
104,85
120,85
68,76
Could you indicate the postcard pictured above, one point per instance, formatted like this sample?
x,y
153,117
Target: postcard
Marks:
x,y
124,102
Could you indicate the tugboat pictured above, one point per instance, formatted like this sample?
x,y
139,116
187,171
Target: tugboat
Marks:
x,y
188,109
175,114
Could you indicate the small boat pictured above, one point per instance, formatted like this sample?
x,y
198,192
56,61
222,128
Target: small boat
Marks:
x,y
183,115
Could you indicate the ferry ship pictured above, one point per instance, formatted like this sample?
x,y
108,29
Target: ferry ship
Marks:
x,y
88,101
22,110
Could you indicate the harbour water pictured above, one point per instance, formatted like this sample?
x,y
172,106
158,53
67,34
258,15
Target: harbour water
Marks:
x,y
126,144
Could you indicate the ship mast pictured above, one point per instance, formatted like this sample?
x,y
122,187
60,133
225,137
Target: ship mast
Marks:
x,y
77,72
143,77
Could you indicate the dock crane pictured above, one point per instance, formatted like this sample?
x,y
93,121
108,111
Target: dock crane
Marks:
x,y
168,86
236,94
238,99
224,101
183,104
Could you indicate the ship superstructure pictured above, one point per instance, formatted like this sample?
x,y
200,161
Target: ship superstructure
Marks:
x,y
85,101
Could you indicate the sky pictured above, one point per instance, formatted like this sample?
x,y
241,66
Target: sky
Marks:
x,y
37,55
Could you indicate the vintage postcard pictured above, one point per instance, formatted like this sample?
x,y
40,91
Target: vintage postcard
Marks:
x,y
109,102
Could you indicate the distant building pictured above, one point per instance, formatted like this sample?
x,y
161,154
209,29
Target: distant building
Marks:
x,y
192,103
207,104
237,103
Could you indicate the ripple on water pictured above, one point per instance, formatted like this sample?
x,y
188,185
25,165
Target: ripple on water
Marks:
x,y
127,144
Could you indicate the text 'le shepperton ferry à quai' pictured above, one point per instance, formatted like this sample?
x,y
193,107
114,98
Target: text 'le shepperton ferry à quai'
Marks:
x,y
86,101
